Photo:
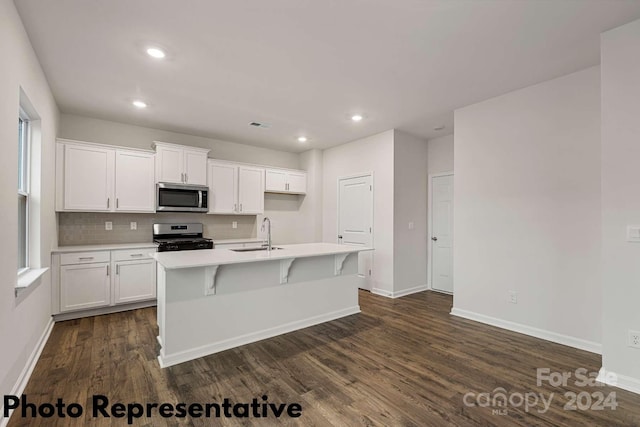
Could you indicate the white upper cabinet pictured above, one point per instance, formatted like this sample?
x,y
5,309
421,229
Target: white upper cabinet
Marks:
x,y
169,164
276,180
297,182
195,166
223,188
135,182
101,178
235,189
250,190
285,181
180,164
88,177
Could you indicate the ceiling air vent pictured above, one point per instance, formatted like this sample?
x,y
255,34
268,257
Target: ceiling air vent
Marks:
x,y
259,125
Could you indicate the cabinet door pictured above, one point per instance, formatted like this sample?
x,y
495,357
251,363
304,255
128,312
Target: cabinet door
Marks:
x,y
134,281
250,190
84,286
135,183
276,180
169,164
195,167
223,188
88,178
297,182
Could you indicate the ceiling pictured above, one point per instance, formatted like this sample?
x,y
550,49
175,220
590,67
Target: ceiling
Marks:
x,y
305,66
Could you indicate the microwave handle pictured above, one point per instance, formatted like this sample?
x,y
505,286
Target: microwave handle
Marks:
x,y
199,198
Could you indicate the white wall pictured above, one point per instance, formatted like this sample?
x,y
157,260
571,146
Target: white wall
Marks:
x,y
440,154
527,208
371,154
409,206
107,132
311,207
23,320
620,199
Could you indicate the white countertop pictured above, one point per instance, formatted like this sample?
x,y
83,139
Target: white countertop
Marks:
x,y
232,241
207,257
104,247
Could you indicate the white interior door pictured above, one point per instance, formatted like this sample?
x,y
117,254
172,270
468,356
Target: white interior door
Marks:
x,y
442,233
355,219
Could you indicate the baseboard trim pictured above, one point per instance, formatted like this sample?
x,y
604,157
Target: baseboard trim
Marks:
x,y
103,310
621,381
382,292
23,379
579,343
409,291
184,356
402,293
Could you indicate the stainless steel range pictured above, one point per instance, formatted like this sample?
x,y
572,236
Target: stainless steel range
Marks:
x,y
180,237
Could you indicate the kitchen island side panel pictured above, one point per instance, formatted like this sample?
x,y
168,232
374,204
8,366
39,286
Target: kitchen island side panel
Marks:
x,y
195,324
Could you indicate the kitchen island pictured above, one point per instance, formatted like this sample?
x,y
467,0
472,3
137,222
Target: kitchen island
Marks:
x,y
213,300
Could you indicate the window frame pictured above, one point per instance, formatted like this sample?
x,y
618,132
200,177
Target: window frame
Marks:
x,y
24,170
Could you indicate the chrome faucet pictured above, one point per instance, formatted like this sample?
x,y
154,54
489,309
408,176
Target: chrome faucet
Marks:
x,y
267,220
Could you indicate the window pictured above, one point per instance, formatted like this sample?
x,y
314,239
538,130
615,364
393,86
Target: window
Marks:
x,y
23,192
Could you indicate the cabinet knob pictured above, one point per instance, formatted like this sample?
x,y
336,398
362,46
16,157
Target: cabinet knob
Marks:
x,y
435,239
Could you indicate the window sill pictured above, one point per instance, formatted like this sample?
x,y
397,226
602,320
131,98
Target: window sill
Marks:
x,y
28,278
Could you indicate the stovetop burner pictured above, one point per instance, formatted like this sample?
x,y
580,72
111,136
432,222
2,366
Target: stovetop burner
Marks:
x,y
180,237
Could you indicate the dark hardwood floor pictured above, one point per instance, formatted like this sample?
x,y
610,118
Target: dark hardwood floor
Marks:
x,y
403,362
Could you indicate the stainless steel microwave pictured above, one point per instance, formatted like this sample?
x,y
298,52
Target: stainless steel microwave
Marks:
x,y
181,197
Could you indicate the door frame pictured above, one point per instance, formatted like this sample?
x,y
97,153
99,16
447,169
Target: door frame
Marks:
x,y
430,226
373,228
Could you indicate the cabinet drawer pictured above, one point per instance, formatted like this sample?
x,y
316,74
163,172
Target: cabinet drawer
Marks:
x,y
132,254
84,257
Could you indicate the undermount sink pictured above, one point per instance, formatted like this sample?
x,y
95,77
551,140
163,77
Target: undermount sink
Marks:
x,y
264,248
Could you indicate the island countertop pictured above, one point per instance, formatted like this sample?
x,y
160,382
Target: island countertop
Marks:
x,y
210,257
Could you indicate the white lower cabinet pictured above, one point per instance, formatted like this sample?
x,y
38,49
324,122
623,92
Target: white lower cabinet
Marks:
x,y
100,281
134,281
84,286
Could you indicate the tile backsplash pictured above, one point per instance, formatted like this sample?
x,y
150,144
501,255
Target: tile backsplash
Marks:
x,y
82,228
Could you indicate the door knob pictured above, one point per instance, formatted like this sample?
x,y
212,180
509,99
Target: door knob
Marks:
x,y
434,239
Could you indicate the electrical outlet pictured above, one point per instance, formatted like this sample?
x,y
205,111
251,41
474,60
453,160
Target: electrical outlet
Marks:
x,y
411,225
134,225
234,224
634,339
513,297
108,225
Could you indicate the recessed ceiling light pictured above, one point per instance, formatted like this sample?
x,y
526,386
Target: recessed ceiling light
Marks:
x,y
302,139
140,104
356,117
156,53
